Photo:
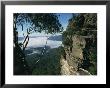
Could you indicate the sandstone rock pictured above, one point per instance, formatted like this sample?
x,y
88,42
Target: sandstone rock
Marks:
x,y
74,57
64,67
78,42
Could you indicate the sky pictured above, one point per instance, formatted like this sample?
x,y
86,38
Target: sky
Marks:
x,y
63,19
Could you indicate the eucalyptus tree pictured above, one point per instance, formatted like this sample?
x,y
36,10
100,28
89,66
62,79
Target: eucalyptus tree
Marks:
x,y
46,22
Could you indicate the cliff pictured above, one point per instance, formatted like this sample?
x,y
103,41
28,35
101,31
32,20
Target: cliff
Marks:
x,y
71,63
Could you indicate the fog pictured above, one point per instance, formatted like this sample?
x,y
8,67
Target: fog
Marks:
x,y
41,42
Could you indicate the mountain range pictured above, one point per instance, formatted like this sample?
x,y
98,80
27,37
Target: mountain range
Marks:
x,y
54,38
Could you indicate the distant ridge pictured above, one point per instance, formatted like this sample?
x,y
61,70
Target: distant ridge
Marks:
x,y
54,38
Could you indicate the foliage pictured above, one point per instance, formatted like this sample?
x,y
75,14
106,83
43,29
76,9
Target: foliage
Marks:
x,y
90,55
85,25
47,22
49,63
39,21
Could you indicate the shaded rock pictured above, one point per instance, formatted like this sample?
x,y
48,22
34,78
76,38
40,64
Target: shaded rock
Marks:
x,y
74,57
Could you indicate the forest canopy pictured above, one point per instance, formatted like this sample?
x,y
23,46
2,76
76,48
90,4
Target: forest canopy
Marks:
x,y
47,22
78,48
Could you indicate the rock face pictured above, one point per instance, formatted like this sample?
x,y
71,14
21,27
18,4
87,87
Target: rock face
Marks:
x,y
64,66
74,57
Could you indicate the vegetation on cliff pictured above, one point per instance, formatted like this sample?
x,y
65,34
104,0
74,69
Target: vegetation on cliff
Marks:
x,y
78,51
84,25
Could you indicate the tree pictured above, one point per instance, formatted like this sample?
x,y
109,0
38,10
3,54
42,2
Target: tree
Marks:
x,y
47,22
84,25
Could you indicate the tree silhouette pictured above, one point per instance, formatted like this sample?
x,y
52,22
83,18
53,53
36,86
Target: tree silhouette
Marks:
x,y
47,22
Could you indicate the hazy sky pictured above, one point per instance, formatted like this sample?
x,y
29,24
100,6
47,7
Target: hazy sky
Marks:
x,y
63,18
